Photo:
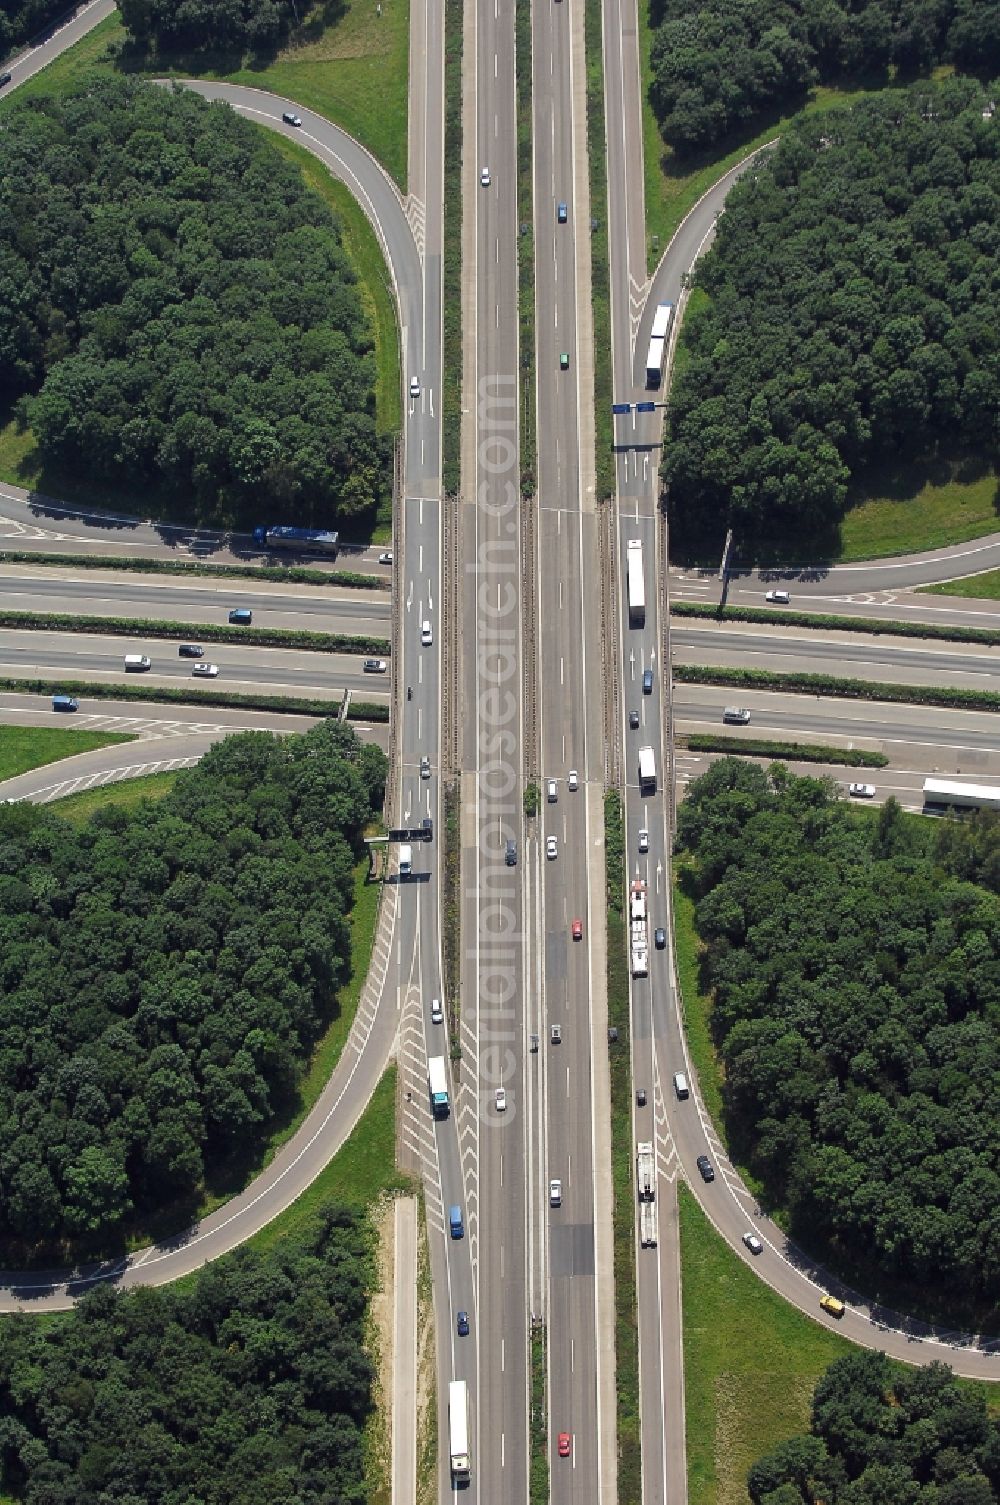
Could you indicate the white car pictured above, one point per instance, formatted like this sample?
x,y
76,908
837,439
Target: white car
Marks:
x,y
573,782
425,767
210,671
753,1243
374,666
644,840
861,791
778,598
551,848
555,1193
484,177
385,557
414,386
426,636
437,1016
501,1100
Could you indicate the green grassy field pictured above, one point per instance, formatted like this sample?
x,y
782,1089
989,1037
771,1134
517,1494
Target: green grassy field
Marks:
x,y
921,514
696,1006
750,1362
26,747
130,792
985,587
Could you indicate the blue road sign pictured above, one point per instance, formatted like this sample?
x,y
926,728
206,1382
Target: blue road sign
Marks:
x,y
621,407
645,407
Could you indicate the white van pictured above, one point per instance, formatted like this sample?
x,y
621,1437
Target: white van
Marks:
x,y
137,661
405,860
681,1085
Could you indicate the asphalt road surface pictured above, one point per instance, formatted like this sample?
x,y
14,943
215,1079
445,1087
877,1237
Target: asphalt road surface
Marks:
x,y
96,593
280,671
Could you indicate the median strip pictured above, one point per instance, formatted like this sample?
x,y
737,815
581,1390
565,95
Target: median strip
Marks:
x,y
291,705
874,626
256,637
788,752
830,685
626,1336
266,574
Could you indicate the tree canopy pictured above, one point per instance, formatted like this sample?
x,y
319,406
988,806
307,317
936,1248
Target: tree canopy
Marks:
x,y
193,26
852,318
177,311
248,1388
165,973
885,1436
854,966
20,20
719,65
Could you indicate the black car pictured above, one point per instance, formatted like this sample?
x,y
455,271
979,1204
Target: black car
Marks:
x,y
290,117
463,1324
190,650
4,79
633,720
510,854
647,681
659,938
640,1098
706,1168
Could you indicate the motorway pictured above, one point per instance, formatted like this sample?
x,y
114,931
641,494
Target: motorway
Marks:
x,y
109,593
574,1293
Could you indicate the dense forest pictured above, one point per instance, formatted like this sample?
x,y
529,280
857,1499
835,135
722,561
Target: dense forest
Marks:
x,y
720,65
852,319
249,1388
854,966
177,312
20,20
165,973
883,1435
192,26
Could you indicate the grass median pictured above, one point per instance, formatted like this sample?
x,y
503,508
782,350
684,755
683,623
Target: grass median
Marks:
x,y
826,622
600,277
829,686
291,705
144,627
786,752
264,574
626,1334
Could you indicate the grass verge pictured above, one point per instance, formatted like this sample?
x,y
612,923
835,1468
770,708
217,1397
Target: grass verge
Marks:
x,y
25,747
259,574
751,1362
525,249
600,277
696,1006
626,1334
538,1471
872,626
452,904
920,511
451,395
985,587
830,685
790,752
257,637
126,794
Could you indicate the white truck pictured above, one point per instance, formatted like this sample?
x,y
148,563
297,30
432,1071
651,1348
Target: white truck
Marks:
x,y
636,583
647,771
458,1430
638,918
437,1086
647,1225
645,1174
405,860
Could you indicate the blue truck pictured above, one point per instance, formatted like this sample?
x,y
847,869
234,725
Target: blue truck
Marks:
x,y
301,540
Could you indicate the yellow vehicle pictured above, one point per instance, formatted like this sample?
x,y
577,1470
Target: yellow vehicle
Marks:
x,y
832,1305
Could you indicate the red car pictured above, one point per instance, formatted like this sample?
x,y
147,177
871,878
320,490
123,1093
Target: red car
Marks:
x,y
565,1444
578,930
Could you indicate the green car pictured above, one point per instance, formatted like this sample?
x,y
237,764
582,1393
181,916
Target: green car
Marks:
x,y
564,362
